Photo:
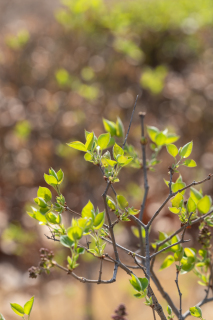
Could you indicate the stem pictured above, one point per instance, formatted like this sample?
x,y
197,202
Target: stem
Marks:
x,y
180,317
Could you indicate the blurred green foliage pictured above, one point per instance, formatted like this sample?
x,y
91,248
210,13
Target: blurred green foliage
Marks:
x,y
19,40
136,29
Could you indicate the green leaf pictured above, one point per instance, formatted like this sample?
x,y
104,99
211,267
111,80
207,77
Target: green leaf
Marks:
x,y
174,210
50,179
88,156
53,218
204,204
111,203
119,128
80,250
41,202
152,132
108,162
60,176
110,127
117,150
196,312
167,262
186,150
195,195
124,161
122,202
28,306
172,150
135,282
174,240
103,140
169,310
99,220
133,211
191,205
44,193
77,145
190,163
178,186
89,141
171,137
178,255
160,139
19,310
87,211
53,173
74,233
144,283
1,317
177,200
37,215
66,241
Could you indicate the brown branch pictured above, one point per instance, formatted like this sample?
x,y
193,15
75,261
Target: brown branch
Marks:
x,y
130,122
84,280
180,317
194,183
124,249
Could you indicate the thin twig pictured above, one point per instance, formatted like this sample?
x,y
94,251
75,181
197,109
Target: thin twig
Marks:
x,y
130,121
81,279
100,271
180,295
124,249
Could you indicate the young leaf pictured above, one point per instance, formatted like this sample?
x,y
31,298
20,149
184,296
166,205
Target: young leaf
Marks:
x,y
191,205
50,179
1,317
74,233
204,204
144,283
87,211
41,202
152,132
171,137
77,145
160,139
178,186
177,200
186,150
169,310
28,306
19,310
122,202
103,140
66,241
60,176
174,210
88,156
117,150
190,163
44,193
167,262
178,255
119,128
99,220
196,312
195,195
89,141
110,127
172,150
135,282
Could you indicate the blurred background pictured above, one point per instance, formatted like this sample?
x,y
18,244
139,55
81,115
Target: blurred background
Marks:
x,y
64,65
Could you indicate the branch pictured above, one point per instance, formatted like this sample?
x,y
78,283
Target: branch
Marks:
x,y
156,305
81,279
159,210
172,245
180,295
199,304
143,146
130,122
194,183
124,249
110,224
